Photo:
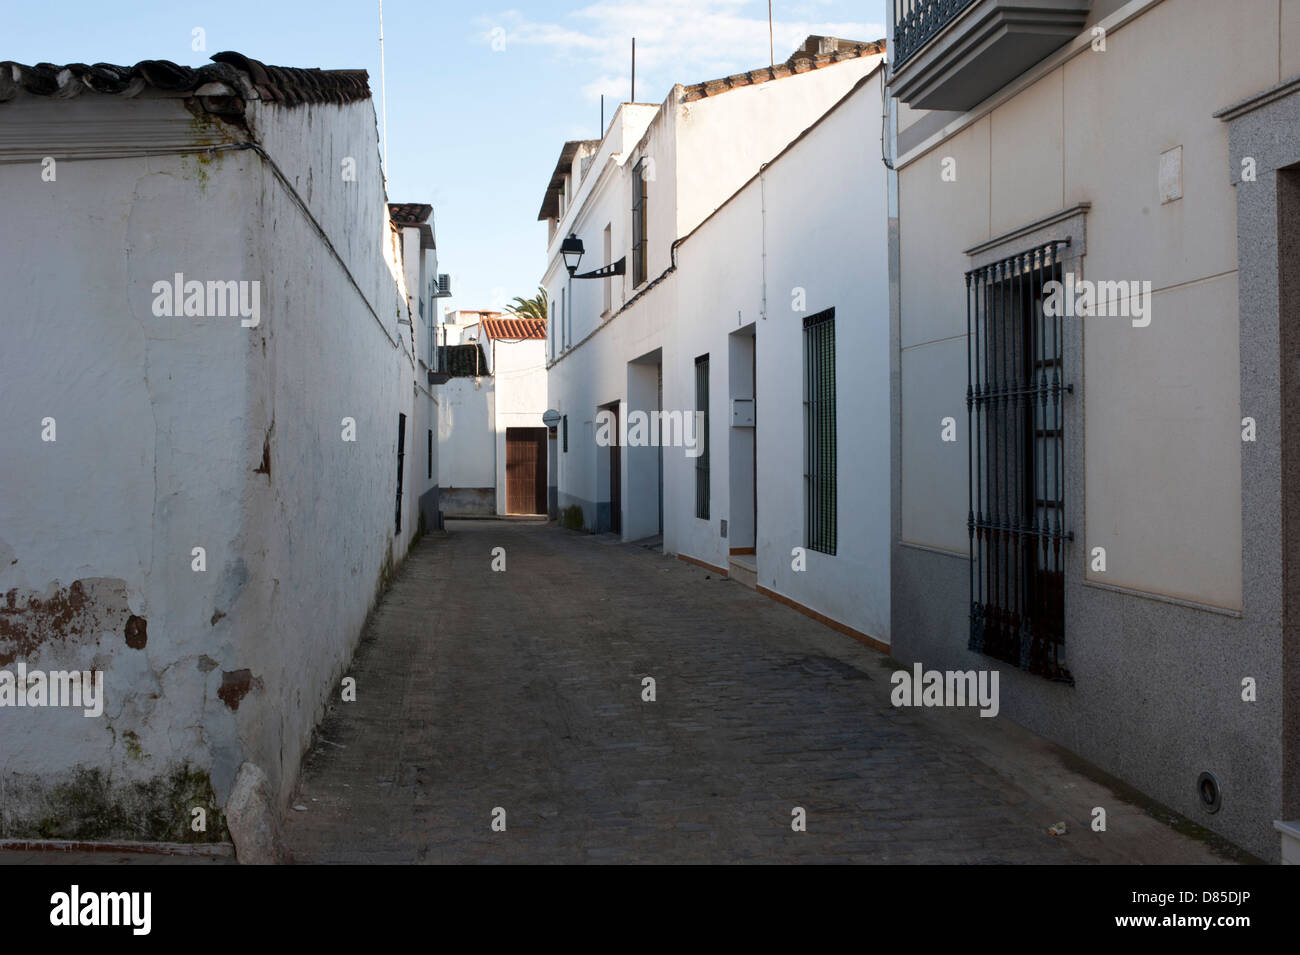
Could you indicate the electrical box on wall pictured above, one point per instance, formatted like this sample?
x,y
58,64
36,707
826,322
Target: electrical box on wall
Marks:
x,y
742,412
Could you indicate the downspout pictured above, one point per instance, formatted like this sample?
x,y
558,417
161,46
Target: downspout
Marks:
x,y
496,452
762,201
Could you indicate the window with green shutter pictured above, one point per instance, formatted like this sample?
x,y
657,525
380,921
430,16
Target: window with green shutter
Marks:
x,y
702,462
640,232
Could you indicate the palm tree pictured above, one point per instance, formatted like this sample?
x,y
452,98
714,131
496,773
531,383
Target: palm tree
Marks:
x,y
534,307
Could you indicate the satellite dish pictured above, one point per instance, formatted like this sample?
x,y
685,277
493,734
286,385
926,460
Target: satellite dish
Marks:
x,y
551,418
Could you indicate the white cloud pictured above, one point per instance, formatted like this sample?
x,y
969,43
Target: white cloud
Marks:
x,y
677,41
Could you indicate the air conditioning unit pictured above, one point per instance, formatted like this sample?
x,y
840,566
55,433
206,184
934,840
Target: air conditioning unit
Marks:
x,y
442,287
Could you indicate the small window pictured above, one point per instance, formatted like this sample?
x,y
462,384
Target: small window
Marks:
x,y
430,475
702,462
820,505
608,259
639,233
564,422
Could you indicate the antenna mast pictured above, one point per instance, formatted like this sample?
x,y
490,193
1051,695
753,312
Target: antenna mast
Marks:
x,y
383,90
771,53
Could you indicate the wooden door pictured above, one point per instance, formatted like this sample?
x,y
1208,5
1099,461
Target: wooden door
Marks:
x,y
525,470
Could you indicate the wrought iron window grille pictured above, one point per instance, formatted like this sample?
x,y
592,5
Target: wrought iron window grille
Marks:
x,y
821,515
1015,434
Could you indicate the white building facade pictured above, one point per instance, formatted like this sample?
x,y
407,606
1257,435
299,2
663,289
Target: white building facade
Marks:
x,y
745,221
1112,523
493,443
212,393
418,250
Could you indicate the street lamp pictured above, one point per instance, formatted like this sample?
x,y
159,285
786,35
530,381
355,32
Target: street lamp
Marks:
x,y
572,249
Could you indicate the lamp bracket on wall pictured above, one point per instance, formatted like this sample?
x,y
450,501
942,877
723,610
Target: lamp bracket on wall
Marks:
x,y
618,268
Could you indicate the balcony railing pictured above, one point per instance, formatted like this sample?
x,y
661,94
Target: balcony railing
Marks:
x,y
953,54
917,21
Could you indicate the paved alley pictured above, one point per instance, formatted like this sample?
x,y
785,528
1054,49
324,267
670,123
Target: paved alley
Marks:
x,y
521,691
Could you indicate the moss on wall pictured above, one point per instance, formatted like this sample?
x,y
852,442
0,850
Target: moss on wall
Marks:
x,y
86,805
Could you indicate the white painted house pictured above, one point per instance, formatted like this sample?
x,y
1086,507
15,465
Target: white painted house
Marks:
x,y
212,400
418,248
493,441
744,222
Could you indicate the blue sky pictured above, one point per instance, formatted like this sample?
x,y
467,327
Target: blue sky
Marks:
x,y
480,96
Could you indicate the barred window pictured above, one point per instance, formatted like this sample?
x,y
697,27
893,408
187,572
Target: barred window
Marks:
x,y
639,233
1015,434
820,475
702,462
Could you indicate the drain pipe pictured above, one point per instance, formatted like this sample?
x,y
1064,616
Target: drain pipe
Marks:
x,y
762,201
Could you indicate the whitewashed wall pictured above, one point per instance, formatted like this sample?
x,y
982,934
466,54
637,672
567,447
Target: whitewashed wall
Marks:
x,y
519,380
467,447
832,176
702,151
162,427
419,266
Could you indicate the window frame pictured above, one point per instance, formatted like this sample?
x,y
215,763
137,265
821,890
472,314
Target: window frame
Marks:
x,y
608,283
640,232
703,485
1016,444
821,493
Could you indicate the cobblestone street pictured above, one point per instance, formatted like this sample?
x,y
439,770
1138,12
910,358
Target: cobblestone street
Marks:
x,y
522,690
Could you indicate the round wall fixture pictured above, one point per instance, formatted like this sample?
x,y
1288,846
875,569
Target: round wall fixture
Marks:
x,y
1207,790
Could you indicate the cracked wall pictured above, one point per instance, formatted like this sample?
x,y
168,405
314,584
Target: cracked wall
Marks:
x,y
176,433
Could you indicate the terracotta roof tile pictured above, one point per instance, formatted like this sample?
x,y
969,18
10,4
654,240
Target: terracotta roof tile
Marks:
x,y
410,213
804,60
514,328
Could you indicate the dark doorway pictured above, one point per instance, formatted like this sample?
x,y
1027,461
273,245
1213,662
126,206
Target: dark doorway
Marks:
x,y
526,470
401,455
615,477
